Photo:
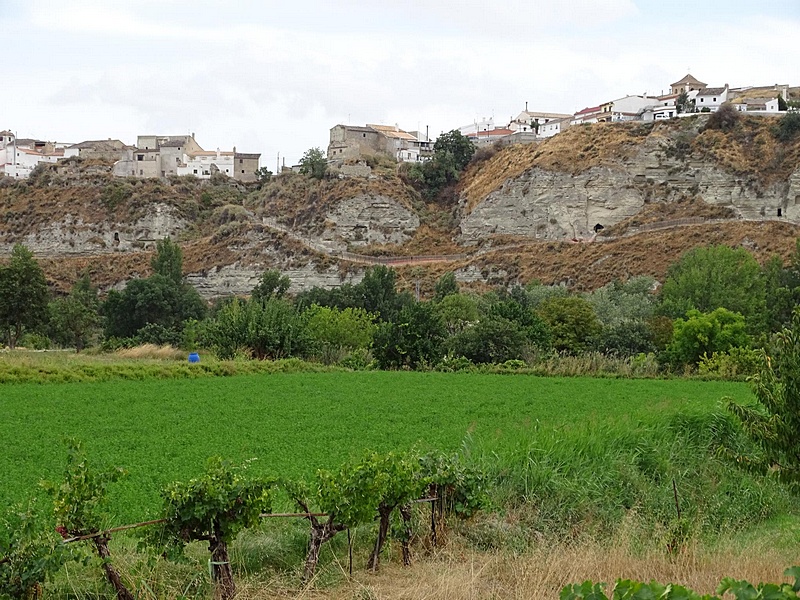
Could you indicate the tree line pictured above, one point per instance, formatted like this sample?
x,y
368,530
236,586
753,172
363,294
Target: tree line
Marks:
x,y
716,308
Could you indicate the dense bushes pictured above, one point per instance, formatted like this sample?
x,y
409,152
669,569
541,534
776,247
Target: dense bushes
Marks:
x,y
714,301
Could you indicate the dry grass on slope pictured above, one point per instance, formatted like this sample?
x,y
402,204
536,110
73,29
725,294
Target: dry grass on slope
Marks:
x,y
573,151
750,150
303,203
590,266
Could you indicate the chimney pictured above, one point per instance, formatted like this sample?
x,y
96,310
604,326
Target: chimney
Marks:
x,y
526,106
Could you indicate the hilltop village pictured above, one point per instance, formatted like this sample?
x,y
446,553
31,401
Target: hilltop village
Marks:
x,y
179,155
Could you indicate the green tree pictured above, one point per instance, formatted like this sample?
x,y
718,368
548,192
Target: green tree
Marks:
x,y
572,323
271,284
452,152
413,340
162,299
313,163
214,507
268,330
457,311
377,294
331,329
774,421
23,295
263,175
75,318
445,286
703,334
168,261
493,339
712,277
456,146
782,106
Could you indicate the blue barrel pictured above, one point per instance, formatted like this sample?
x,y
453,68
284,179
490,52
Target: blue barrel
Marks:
x,y
194,357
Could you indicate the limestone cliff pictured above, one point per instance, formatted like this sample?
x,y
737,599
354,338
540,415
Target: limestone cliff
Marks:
x,y
606,173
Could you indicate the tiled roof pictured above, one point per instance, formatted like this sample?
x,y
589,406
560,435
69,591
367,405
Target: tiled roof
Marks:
x,y
711,91
688,79
586,111
392,132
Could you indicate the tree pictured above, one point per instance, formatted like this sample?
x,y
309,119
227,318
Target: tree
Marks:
x,y
271,285
75,318
414,339
774,422
263,175
334,328
452,152
457,312
572,323
703,334
168,261
782,106
724,118
23,295
162,299
455,145
712,277
493,339
313,163
445,286
683,104
268,330
376,293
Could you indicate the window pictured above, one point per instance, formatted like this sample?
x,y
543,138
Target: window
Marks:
x,y
780,212
195,171
242,171
240,162
714,100
140,157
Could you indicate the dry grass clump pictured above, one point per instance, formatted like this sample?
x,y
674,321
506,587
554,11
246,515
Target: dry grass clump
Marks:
x,y
152,351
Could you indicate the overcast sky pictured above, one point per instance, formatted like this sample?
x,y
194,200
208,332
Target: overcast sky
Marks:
x,y
274,77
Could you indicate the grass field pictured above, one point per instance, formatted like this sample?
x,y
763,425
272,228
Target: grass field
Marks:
x,y
162,430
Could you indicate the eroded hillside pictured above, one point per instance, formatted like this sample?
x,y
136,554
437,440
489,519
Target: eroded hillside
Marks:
x,y
658,190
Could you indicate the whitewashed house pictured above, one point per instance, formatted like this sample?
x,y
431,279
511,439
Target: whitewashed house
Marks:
x,y
203,164
711,98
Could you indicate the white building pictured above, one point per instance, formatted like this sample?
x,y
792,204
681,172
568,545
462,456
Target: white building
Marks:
x,y
769,105
553,127
19,157
534,121
711,98
204,164
477,127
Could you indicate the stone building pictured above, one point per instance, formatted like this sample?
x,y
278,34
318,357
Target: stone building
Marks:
x,y
348,142
162,156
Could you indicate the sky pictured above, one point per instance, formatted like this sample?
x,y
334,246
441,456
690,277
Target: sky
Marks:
x,y
274,77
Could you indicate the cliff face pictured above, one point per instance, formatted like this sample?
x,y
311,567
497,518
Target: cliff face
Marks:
x,y
607,173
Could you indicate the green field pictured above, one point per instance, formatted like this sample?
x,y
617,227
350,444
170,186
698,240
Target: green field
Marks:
x,y
162,430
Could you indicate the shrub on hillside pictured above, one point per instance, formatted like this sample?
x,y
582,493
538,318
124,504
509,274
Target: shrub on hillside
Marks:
x,y
725,118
